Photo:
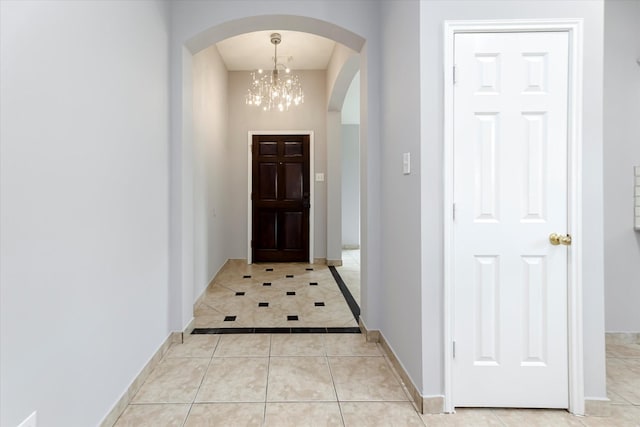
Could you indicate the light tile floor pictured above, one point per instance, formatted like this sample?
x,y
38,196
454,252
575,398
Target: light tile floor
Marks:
x,y
273,295
350,271
326,380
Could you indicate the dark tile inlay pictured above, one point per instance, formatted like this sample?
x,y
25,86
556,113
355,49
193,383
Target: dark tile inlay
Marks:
x,y
268,269
292,317
318,304
347,330
289,276
351,302
291,293
272,330
299,330
313,283
246,277
239,294
266,284
230,318
263,304
308,330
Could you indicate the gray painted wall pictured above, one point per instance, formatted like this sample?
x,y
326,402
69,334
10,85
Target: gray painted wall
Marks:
x,y
350,185
212,211
400,211
83,215
433,14
621,153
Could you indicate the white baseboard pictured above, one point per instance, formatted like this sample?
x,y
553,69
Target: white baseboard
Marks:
x,y
423,404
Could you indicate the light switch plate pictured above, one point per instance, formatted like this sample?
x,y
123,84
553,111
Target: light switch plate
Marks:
x,y
406,163
636,198
319,177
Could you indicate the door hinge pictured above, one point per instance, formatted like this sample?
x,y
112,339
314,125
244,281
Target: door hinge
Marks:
x,y
455,76
454,212
454,350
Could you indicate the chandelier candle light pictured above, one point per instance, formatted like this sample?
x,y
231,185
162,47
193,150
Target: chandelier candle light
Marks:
x,y
277,90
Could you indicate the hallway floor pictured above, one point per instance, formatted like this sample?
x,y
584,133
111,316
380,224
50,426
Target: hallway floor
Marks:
x,y
279,295
304,379
326,380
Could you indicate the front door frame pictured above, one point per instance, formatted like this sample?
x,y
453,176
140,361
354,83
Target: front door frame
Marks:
x,y
250,189
574,140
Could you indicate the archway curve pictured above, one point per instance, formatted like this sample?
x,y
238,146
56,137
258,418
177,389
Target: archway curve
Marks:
x,y
300,23
182,288
342,82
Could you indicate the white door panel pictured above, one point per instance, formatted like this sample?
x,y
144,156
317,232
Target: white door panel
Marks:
x,y
510,192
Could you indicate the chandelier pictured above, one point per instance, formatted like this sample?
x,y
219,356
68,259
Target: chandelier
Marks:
x,y
277,90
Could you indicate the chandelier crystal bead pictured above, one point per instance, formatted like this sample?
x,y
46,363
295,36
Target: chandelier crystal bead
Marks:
x,y
276,90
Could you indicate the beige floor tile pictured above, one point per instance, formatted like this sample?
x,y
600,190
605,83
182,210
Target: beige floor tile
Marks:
x,y
300,379
350,345
614,398
621,416
265,317
623,350
303,414
537,417
153,415
235,379
229,305
226,415
173,381
374,414
210,319
623,378
243,345
365,378
297,345
463,417
194,346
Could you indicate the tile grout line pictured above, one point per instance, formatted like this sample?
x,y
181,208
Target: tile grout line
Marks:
x,y
333,382
266,391
195,396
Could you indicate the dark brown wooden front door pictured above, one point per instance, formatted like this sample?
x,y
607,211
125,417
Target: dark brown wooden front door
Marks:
x,y
280,198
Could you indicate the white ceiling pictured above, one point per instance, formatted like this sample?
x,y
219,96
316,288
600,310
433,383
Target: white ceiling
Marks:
x,y
298,51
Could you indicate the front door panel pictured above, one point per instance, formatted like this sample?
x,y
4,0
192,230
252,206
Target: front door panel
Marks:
x,y
280,198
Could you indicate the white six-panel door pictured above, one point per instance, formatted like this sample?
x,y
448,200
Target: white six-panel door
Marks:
x,y
510,194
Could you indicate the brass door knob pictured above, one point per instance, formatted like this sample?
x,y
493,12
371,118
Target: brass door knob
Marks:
x,y
559,239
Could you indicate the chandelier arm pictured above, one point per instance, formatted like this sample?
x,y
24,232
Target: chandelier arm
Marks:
x,y
269,92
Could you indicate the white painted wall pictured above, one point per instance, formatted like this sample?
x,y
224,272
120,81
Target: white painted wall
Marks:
x,y
350,185
244,118
212,212
621,153
83,214
432,15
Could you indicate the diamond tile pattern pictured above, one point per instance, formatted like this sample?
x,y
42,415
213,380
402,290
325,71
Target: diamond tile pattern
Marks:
x,y
271,296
